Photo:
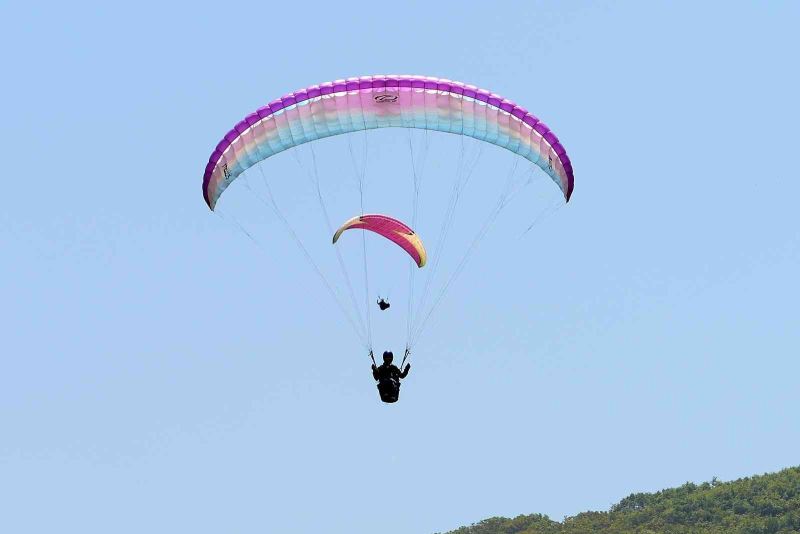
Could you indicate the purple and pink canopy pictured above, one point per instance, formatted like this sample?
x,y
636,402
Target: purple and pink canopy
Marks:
x,y
368,102
391,229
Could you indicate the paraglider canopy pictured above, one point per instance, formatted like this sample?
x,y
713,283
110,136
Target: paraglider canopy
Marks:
x,y
404,101
391,229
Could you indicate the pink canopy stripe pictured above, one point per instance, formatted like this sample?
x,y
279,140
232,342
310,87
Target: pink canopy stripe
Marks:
x,y
391,229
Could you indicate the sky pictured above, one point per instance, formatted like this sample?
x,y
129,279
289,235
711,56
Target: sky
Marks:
x,y
163,372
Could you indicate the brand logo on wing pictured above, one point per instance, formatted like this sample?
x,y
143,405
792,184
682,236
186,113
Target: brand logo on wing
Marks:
x,y
385,98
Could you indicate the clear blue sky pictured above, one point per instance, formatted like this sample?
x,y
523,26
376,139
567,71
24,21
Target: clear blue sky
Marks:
x,y
160,374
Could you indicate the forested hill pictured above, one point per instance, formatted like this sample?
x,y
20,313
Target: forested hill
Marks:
x,y
766,504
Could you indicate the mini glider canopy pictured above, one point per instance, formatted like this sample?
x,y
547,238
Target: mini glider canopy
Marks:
x,y
391,229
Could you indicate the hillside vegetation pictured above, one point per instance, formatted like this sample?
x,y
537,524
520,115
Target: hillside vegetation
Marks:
x,y
766,504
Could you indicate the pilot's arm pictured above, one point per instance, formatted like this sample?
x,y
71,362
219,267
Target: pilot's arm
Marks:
x,y
405,371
